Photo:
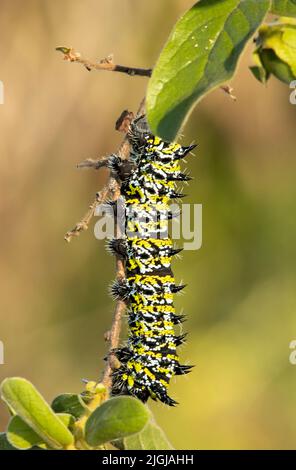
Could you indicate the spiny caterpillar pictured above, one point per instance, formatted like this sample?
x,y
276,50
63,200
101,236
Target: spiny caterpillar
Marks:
x,y
149,359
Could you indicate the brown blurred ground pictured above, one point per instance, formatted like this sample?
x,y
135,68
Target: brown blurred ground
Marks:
x,y
241,298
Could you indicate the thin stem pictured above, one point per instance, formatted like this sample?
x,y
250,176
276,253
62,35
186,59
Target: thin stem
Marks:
x,y
81,226
133,71
104,64
111,189
107,64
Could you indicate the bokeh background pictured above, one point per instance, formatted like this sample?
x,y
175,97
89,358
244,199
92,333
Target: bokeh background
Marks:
x,y
240,298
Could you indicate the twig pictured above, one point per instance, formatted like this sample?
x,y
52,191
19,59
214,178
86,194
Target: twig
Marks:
x,y
114,334
112,188
104,64
122,125
113,338
107,64
83,224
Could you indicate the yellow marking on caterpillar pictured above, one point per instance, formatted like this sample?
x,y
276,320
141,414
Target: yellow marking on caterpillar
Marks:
x,y
164,370
164,383
138,367
151,308
151,333
138,278
149,374
130,381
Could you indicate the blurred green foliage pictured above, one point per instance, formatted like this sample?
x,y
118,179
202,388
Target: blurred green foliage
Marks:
x,y
240,300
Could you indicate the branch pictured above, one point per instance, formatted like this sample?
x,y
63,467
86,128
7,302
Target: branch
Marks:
x,y
114,334
108,64
111,189
81,226
104,64
114,338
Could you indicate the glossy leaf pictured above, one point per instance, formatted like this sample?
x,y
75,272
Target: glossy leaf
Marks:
x,y
28,404
116,418
202,52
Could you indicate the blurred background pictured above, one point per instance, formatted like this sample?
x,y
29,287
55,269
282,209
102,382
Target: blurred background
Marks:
x,y
240,300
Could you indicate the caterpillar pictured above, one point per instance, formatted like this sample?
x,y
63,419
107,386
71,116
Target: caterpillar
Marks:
x,y
148,179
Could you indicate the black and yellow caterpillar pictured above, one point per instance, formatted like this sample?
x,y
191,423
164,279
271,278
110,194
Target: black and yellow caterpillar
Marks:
x,y
149,359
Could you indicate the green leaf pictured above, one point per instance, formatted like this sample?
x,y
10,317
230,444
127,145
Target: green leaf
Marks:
x,y
150,438
281,38
202,52
275,66
284,7
114,419
68,403
20,435
258,70
29,404
276,50
67,419
4,443
259,73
